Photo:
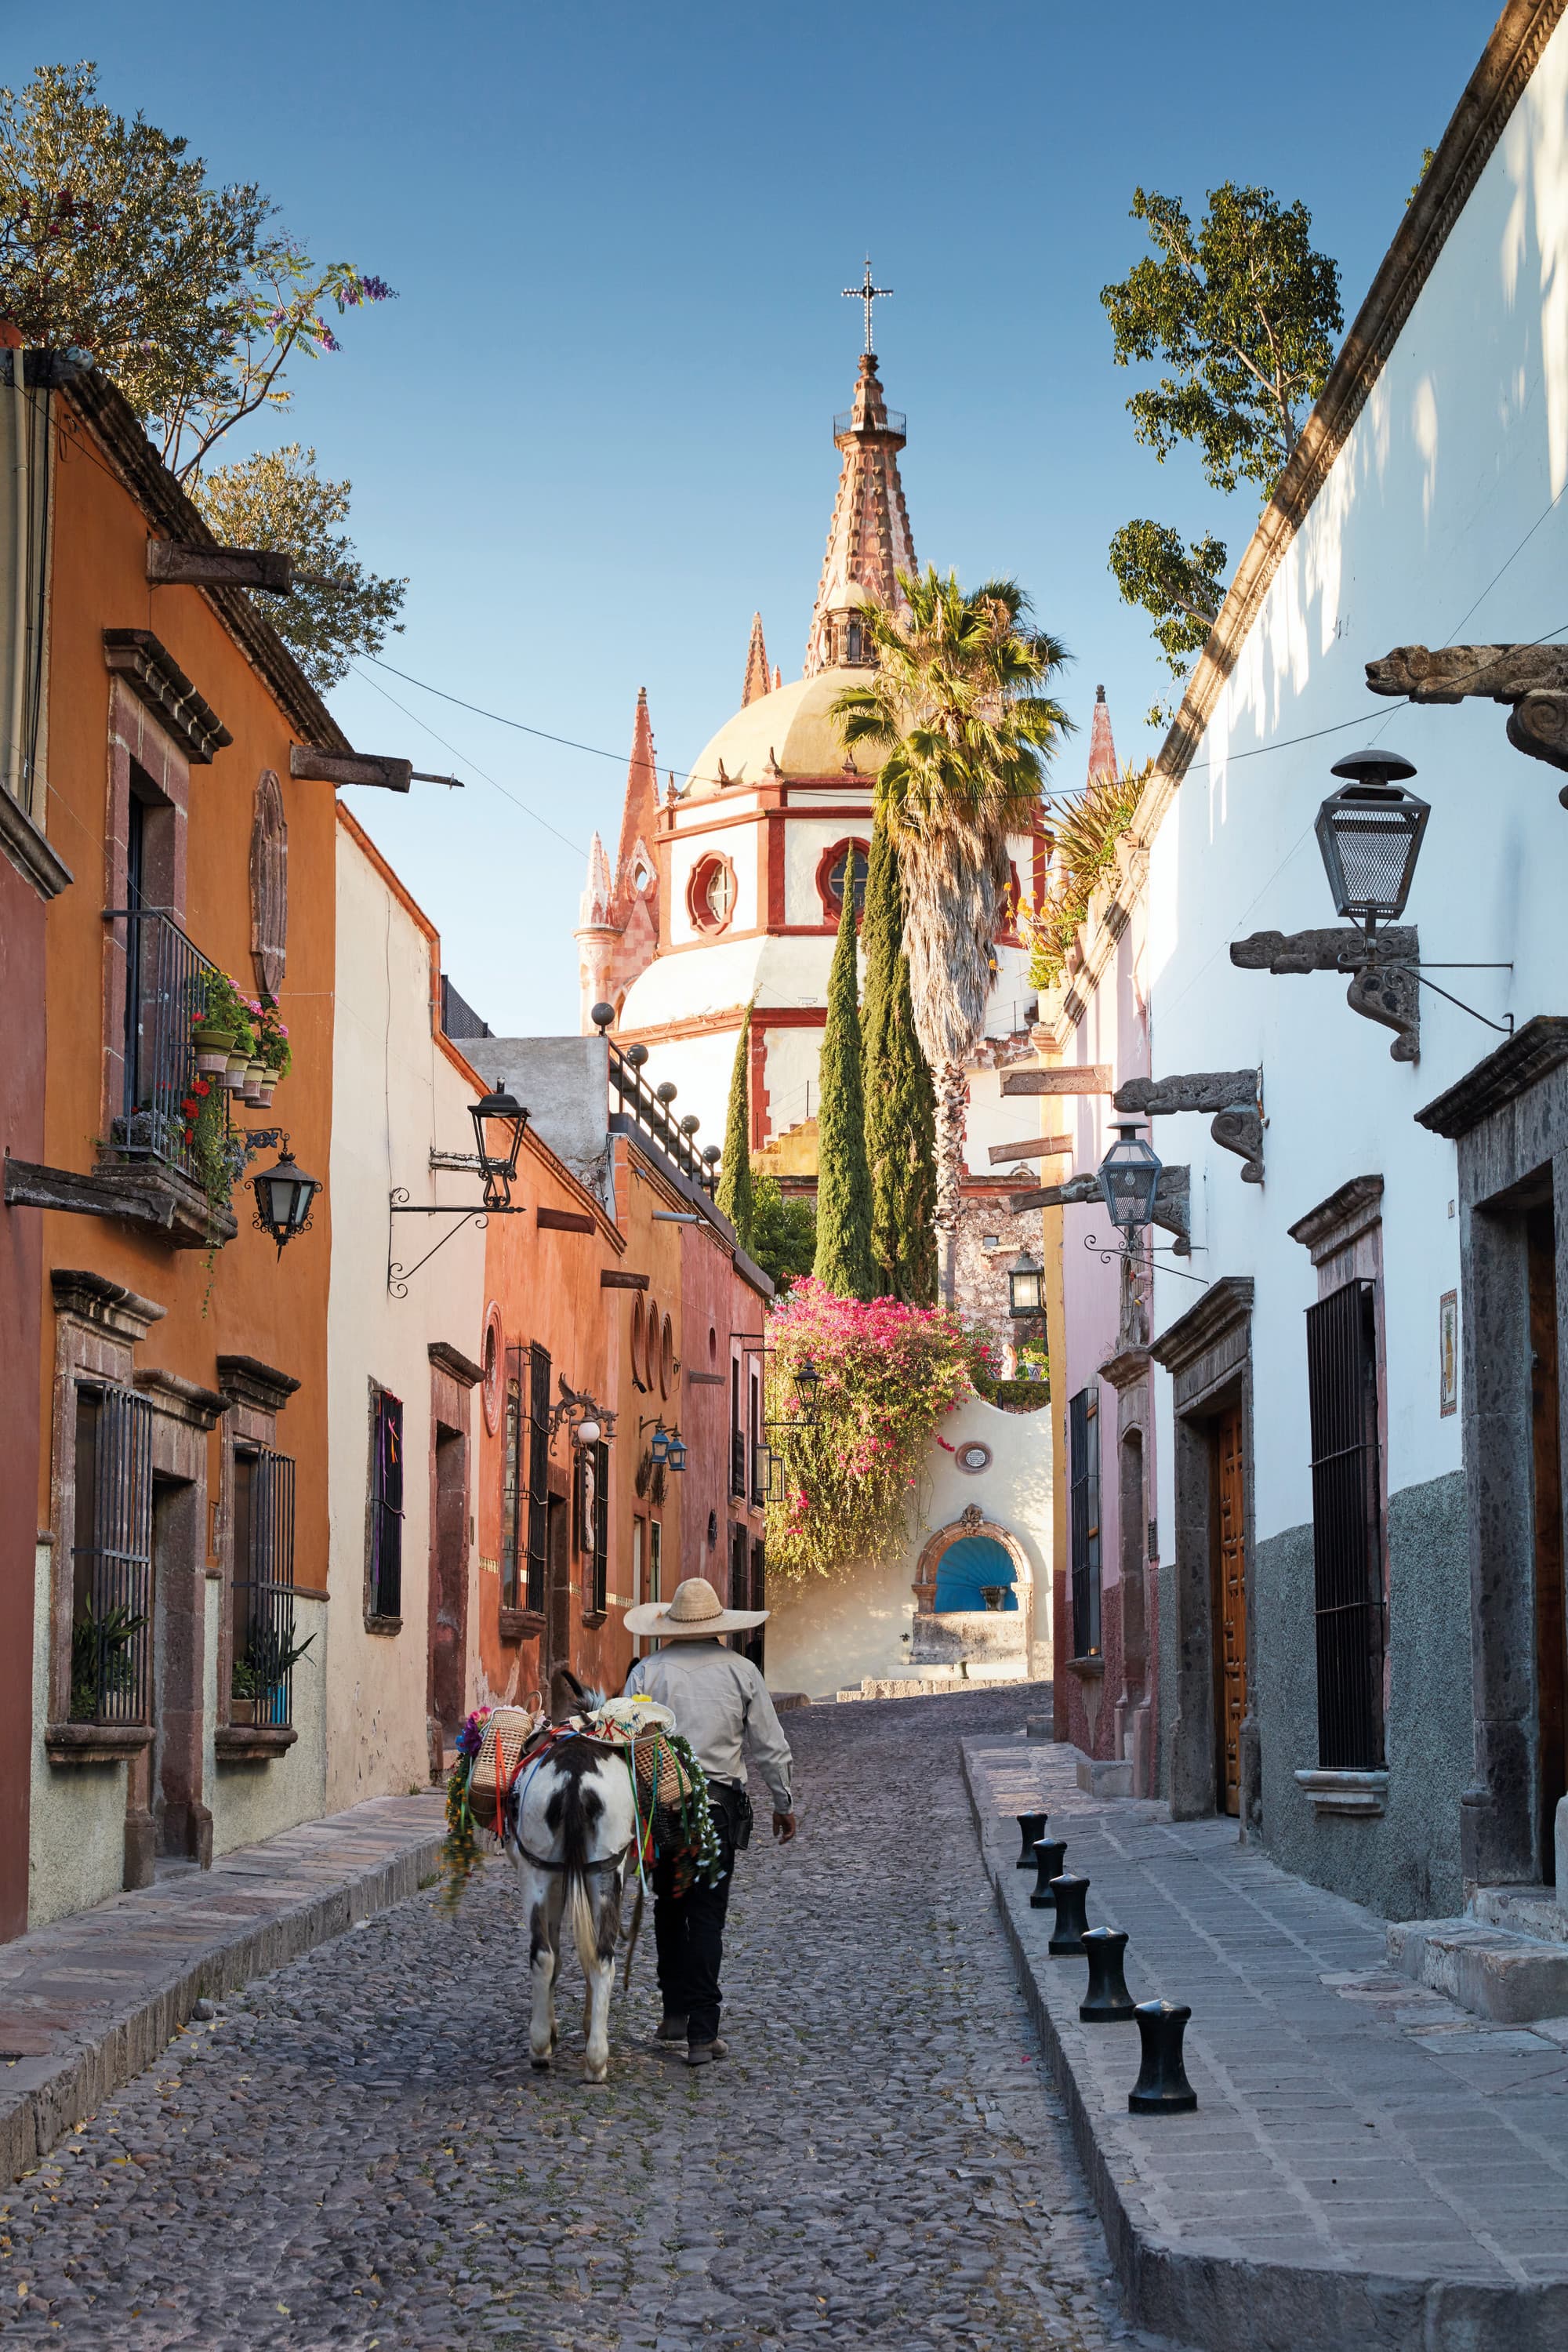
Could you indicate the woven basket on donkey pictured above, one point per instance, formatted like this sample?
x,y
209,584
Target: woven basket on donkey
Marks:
x,y
674,1781
506,1734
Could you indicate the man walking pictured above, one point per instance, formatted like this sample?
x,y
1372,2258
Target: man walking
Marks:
x,y
721,1705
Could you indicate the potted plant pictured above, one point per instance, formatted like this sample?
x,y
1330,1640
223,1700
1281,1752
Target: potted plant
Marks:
x,y
272,1045
270,1653
221,1027
102,1663
242,1692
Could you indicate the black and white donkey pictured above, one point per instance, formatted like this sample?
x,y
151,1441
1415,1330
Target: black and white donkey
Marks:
x,y
573,1836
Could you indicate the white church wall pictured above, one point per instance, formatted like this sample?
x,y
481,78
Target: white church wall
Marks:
x,y
793,1063
700,1068
739,844
806,840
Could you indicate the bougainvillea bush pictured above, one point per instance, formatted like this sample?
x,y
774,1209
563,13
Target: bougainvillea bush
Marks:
x,y
887,1375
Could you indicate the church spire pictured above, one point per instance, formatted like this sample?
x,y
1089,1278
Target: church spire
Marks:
x,y
868,541
639,816
758,680
1102,750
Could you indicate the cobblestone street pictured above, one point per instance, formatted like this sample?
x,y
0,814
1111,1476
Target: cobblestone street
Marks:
x,y
354,2152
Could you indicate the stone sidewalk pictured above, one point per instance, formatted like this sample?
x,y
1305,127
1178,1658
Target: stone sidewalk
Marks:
x,y
1369,2165
87,2003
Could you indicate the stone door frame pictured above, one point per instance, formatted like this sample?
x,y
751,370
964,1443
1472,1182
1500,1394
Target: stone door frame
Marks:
x,y
1508,1118
1208,1354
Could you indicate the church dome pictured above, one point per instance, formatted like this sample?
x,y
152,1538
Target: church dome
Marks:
x,y
793,724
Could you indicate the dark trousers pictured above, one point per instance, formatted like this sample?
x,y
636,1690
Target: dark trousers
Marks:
x,y
689,1932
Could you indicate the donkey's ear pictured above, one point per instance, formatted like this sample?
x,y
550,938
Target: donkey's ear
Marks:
x,y
567,1696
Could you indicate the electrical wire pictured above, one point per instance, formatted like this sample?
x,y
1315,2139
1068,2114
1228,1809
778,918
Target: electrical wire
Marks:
x,y
469,761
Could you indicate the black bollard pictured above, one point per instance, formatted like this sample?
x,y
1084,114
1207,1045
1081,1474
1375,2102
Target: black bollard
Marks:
x,y
1161,2088
1108,2000
1072,1916
1050,1856
1033,1826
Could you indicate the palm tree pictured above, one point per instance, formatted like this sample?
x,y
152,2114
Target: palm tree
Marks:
x,y
958,710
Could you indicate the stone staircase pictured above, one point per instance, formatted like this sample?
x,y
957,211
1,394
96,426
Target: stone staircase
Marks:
x,y
1506,1960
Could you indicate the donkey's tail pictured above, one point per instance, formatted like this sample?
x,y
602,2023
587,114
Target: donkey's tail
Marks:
x,y
585,1927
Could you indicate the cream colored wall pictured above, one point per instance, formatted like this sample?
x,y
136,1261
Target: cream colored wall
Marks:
x,y
805,838
825,1636
252,1801
77,1854
396,1096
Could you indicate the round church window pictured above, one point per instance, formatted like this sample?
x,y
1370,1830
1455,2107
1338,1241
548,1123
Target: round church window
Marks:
x,y
974,1456
845,860
711,895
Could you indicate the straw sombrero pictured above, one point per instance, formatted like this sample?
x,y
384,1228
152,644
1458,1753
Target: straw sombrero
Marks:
x,y
694,1613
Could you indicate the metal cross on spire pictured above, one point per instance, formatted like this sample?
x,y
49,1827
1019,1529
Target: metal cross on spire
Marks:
x,y
868,294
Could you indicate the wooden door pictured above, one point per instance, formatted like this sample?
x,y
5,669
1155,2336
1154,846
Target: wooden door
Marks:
x,y
1541,1254
1230,1606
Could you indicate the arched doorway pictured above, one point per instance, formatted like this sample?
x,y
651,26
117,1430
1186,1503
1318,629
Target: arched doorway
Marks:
x,y
965,1567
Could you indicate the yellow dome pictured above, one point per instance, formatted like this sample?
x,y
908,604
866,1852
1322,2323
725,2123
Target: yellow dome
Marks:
x,y
792,723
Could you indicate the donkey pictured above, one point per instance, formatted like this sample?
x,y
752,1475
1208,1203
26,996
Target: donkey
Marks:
x,y
573,1834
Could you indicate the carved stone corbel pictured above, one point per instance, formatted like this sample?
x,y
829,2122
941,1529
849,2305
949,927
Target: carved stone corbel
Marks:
x,y
1391,996
1232,1094
1532,679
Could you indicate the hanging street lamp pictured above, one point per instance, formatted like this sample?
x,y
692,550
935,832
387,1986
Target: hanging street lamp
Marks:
x,y
1370,835
659,1444
285,1196
675,1453
1024,1278
512,1117
1128,1178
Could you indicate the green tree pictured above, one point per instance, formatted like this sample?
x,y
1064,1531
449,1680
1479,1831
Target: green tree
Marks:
x,y
1244,315
958,710
1182,587
900,1102
338,608
735,1196
784,1232
843,1182
114,242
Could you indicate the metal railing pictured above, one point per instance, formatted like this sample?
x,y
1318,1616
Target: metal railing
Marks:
x,y
111,1641
266,1641
630,1092
891,420
167,980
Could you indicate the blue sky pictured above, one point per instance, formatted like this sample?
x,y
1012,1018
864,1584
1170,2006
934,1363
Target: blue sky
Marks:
x,y
594,430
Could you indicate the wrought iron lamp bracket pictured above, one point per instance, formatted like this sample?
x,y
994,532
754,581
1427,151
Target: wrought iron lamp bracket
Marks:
x,y
1419,968
1142,1264
399,1276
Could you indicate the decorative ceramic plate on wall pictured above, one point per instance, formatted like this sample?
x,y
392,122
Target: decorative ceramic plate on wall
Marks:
x,y
973,1457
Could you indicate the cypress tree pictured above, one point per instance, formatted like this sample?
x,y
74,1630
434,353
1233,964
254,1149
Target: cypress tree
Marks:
x,y
843,1180
901,1101
734,1194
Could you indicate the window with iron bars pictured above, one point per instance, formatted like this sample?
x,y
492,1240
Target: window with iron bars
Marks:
x,y
1347,1526
511,1482
386,1598
538,1474
737,1433
1083,1457
759,1464
598,1491
111,1559
265,1643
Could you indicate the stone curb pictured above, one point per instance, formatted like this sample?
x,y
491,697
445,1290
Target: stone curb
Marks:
x,y
42,2098
1219,2301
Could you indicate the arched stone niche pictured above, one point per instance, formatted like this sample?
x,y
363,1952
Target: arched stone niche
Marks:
x,y
269,885
971,1521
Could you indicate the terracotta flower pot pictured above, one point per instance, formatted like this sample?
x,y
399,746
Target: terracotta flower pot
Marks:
x,y
212,1047
267,1088
242,1710
236,1069
250,1085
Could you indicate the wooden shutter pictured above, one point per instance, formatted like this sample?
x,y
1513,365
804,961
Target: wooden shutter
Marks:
x,y
538,1474
1347,1537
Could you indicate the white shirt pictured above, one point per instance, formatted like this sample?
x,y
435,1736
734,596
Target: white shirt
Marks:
x,y
721,1703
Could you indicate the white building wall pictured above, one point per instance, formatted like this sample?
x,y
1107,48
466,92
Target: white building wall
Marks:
x,y
1433,526
396,1095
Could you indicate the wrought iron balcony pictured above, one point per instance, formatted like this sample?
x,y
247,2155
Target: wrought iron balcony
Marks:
x,y
631,1095
165,995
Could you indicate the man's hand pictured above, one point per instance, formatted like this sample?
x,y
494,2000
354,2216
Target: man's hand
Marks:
x,y
783,1826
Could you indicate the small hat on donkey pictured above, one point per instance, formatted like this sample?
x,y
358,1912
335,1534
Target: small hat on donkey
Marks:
x,y
693,1613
